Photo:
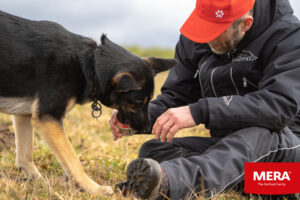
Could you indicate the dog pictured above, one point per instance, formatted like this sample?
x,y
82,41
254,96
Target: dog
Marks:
x,y
45,70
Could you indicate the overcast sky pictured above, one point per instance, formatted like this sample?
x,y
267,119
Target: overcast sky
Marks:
x,y
127,22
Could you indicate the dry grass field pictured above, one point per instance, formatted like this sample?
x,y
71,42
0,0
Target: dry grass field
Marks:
x,y
103,159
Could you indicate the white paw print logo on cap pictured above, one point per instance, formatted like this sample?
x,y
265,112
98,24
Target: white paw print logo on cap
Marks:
x,y
219,14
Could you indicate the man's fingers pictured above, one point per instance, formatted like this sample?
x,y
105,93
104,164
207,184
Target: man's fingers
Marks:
x,y
160,130
116,133
158,125
113,128
172,133
164,133
157,129
161,120
165,129
115,137
114,113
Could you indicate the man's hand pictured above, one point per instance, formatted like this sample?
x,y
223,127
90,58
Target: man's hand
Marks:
x,y
113,128
171,121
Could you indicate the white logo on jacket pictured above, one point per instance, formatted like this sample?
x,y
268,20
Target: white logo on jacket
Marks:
x,y
227,99
245,56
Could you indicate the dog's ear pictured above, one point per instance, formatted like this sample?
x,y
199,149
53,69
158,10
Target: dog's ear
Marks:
x,y
160,64
124,82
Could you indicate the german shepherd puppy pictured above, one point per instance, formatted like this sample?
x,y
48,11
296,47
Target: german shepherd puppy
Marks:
x,y
45,70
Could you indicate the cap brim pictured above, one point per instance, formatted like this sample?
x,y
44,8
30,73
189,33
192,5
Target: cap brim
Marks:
x,y
200,30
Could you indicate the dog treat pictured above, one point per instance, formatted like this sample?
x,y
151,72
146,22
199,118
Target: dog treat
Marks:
x,y
125,129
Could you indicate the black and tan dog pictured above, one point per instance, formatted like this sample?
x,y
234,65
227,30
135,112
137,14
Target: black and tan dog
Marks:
x,y
45,70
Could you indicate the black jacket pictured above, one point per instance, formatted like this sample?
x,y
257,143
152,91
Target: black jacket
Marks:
x,y
258,84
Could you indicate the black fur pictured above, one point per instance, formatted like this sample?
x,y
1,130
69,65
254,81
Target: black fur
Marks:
x,y
41,59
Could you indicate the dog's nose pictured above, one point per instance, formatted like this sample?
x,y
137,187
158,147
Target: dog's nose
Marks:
x,y
146,129
141,127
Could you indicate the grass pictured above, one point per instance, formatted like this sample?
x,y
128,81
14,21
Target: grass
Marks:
x,y
102,158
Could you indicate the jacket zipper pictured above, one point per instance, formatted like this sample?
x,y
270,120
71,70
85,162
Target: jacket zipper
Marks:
x,y
198,73
246,82
236,89
212,83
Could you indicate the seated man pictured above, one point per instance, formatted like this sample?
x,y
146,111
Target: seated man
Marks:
x,y
238,73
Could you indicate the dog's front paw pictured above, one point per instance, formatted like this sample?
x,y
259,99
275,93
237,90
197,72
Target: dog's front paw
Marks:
x,y
30,170
92,187
106,190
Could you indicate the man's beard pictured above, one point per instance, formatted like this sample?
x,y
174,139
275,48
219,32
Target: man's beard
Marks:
x,y
227,46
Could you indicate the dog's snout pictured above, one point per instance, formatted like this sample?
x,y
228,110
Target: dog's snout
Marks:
x,y
140,123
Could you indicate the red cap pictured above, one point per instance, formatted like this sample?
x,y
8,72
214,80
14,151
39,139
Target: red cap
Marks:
x,y
211,18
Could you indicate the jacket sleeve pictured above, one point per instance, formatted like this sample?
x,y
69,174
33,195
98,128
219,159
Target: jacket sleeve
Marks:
x,y
180,87
273,106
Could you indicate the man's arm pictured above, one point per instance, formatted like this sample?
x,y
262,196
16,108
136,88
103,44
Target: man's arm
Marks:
x,y
274,106
180,88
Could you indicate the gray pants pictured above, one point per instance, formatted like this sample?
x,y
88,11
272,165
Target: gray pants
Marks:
x,y
215,164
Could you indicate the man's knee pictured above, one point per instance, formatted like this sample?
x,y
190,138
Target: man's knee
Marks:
x,y
253,133
148,147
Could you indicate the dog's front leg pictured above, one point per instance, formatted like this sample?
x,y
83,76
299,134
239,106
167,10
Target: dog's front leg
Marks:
x,y
51,130
24,145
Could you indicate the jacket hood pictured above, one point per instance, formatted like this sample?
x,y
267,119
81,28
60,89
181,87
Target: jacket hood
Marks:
x,y
266,12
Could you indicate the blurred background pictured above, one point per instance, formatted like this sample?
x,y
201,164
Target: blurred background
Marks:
x,y
144,23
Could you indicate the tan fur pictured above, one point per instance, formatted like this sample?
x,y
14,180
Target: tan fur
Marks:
x,y
24,145
145,100
148,60
16,106
115,80
71,104
53,134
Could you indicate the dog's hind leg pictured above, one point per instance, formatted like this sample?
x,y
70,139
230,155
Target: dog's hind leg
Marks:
x,y
51,130
24,145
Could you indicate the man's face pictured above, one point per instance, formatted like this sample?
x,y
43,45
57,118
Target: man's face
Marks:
x,y
228,40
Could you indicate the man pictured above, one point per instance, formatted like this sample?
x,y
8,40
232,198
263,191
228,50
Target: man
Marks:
x,y
238,73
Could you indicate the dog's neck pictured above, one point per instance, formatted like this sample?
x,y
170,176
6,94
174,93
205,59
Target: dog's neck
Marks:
x,y
96,87
92,87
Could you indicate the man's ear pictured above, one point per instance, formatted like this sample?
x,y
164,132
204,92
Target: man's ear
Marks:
x,y
160,64
248,21
124,82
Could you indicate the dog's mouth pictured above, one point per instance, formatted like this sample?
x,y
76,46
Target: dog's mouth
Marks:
x,y
135,126
146,130
121,119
